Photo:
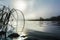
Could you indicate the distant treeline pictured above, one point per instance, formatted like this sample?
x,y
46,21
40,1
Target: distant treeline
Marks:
x,y
57,18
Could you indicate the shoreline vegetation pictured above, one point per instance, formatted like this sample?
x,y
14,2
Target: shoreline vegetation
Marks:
x,y
55,18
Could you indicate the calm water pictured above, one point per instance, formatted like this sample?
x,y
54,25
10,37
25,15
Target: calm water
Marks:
x,y
44,26
36,27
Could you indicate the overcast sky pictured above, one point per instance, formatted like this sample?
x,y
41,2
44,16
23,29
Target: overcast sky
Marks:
x,y
33,9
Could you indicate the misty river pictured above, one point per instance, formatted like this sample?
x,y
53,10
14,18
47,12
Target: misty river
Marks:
x,y
44,26
35,29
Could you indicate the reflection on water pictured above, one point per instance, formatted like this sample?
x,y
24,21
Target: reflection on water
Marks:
x,y
52,27
41,30
44,26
